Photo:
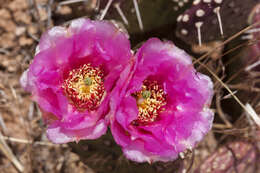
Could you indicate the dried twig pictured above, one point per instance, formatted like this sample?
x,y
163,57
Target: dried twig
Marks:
x,y
29,142
232,131
49,13
229,95
71,2
220,112
251,112
9,154
4,51
242,86
220,126
192,162
225,86
2,124
250,67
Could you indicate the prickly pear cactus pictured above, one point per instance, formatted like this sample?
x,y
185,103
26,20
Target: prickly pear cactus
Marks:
x,y
155,14
239,157
213,19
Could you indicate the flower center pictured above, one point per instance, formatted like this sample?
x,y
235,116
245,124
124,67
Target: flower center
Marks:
x,y
150,101
84,87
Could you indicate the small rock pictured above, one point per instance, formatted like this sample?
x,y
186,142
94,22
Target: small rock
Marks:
x,y
6,40
7,25
41,1
9,64
18,5
5,14
24,41
43,14
20,30
64,10
22,17
32,29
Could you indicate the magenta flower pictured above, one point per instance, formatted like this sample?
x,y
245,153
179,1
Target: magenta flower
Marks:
x,y
163,109
72,75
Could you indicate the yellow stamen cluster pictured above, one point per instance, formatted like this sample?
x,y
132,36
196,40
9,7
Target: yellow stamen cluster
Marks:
x,y
150,101
84,87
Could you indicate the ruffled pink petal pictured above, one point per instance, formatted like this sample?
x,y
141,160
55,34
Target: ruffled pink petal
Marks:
x,y
26,82
119,134
186,118
52,37
136,152
61,50
57,134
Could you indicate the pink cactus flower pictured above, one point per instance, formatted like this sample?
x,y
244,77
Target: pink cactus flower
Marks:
x,y
163,109
237,156
72,75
